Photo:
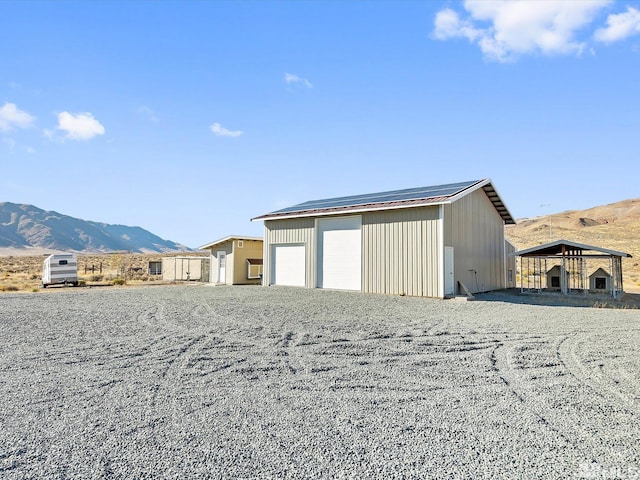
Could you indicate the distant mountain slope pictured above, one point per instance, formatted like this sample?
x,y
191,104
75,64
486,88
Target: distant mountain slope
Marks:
x,y
615,226
24,226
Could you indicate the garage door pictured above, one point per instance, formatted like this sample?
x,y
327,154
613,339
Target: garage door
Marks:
x,y
339,253
288,265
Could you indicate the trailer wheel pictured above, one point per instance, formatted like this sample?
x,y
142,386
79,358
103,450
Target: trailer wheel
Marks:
x,y
44,285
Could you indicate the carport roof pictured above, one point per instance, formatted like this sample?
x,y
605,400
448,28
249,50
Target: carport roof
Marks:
x,y
560,247
410,197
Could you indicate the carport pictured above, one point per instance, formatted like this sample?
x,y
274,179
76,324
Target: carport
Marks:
x,y
569,265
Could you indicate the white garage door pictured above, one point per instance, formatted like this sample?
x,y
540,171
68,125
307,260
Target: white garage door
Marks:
x,y
339,253
288,265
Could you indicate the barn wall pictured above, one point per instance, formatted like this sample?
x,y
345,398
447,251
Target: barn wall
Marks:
x,y
400,252
475,230
295,230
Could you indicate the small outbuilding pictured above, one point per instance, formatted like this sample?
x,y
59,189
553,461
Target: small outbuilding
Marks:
x,y
235,260
433,241
185,269
553,277
566,264
600,281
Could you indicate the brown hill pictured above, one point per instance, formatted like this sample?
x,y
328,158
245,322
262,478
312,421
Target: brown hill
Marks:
x,y
615,226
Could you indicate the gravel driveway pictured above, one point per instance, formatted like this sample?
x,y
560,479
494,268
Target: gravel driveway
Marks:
x,y
252,382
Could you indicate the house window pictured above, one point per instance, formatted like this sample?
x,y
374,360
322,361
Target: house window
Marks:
x,y
254,268
601,283
63,262
240,243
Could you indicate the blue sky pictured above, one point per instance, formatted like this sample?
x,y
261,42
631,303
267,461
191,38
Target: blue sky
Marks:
x,y
190,118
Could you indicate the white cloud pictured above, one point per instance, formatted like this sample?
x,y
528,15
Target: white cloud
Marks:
x,y
220,131
11,117
292,79
620,26
506,29
79,126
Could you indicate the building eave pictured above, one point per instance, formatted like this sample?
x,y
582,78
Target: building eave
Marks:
x,y
227,239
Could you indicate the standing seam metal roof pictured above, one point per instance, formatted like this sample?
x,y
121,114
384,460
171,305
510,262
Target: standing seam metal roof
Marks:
x,y
409,197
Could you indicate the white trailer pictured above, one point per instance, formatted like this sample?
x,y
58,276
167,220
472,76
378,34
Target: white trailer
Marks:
x,y
60,268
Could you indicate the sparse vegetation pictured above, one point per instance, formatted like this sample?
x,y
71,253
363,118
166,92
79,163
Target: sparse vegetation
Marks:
x,y
24,273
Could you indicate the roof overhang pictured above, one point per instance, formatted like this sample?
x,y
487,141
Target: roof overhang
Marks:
x,y
566,248
227,239
485,184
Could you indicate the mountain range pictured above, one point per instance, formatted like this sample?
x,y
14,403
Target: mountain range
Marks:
x,y
25,226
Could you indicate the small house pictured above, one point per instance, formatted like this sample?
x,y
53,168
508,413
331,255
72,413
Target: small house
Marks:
x,y
235,260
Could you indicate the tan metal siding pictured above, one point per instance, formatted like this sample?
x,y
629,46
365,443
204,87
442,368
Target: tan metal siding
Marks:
x,y
296,230
400,252
476,231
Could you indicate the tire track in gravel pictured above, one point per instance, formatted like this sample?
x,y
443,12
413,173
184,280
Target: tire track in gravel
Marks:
x,y
594,378
174,369
499,359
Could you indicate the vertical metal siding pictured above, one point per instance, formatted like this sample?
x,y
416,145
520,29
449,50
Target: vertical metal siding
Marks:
x,y
295,230
476,231
400,252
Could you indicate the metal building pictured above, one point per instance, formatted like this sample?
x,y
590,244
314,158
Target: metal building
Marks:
x,y
431,241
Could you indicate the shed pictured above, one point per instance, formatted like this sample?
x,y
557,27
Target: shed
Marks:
x,y
194,269
235,260
573,258
429,241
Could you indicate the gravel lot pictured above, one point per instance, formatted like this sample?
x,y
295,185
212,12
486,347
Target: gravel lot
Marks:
x,y
253,382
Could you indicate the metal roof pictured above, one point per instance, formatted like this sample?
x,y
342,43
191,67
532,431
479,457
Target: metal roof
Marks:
x,y
559,246
226,239
410,197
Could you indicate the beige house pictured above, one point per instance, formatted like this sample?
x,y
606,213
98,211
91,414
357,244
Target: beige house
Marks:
x,y
235,260
433,241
